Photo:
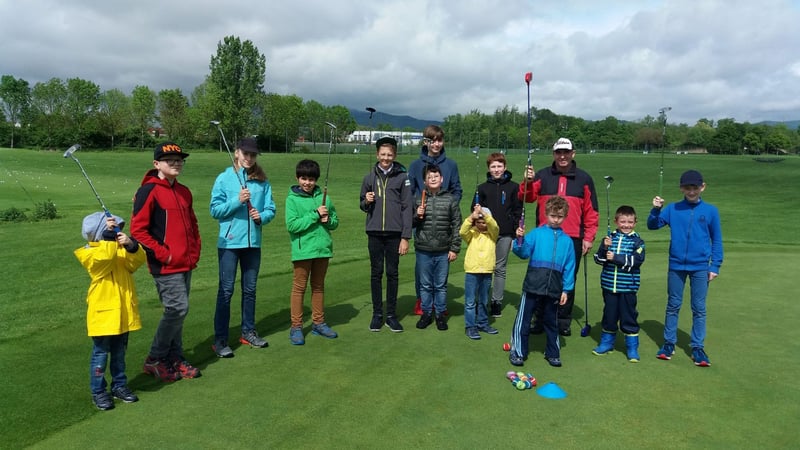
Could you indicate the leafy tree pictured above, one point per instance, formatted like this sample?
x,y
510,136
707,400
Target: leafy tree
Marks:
x,y
114,113
82,103
173,114
143,107
16,96
286,114
48,101
237,82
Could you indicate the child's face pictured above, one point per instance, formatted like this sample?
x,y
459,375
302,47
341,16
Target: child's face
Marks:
x,y
169,167
497,169
555,218
480,224
433,181
692,192
307,184
435,146
625,223
386,156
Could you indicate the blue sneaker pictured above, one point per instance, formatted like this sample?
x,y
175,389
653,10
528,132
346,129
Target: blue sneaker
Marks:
x,y
666,351
700,358
296,336
322,329
515,359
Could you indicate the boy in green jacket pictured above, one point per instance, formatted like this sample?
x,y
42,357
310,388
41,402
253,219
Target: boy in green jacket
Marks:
x,y
310,218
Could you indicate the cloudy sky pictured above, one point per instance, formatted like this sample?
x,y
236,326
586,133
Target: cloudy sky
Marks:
x,y
431,58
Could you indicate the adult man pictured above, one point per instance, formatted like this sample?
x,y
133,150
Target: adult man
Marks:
x,y
564,179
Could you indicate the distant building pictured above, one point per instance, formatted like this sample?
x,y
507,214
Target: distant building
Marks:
x,y
372,136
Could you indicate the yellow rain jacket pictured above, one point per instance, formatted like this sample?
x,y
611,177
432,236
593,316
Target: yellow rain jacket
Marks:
x,y
113,307
480,257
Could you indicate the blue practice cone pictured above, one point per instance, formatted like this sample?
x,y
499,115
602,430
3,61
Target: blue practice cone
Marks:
x,y
551,390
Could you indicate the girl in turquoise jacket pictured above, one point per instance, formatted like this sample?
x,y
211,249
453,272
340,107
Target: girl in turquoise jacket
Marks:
x,y
310,218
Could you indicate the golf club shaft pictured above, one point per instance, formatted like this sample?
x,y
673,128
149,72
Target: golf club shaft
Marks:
x,y
239,178
328,166
69,154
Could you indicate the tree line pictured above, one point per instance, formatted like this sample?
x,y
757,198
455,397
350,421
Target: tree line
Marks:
x,y
58,113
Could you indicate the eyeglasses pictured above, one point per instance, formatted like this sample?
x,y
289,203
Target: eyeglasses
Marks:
x,y
173,162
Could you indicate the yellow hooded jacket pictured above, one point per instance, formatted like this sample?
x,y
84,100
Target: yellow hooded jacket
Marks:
x,y
113,307
480,257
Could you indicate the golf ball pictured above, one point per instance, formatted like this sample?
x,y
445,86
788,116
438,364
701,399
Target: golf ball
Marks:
x,y
506,346
510,374
520,385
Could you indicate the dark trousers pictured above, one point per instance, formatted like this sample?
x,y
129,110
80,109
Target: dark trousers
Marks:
x,y
565,310
384,251
620,308
522,325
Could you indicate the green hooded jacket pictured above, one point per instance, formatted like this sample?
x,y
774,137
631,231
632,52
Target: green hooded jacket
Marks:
x,y
310,237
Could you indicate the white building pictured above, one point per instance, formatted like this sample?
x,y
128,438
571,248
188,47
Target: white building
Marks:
x,y
371,136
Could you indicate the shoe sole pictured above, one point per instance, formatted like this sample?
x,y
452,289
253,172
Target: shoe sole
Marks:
x,y
394,330
664,356
317,333
602,354
221,355
127,400
246,342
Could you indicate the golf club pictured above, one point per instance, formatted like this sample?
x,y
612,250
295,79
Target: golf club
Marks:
x,y
328,168
586,327
528,78
69,154
476,151
609,179
425,142
663,113
230,154
369,141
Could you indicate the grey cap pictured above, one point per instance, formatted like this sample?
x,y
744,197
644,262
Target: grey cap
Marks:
x,y
95,223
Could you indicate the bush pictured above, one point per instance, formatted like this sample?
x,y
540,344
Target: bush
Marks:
x,y
13,215
45,210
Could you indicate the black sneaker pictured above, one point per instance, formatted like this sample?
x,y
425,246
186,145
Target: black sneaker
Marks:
x,y
376,323
515,359
441,322
565,332
496,309
103,401
424,320
125,394
394,324
555,362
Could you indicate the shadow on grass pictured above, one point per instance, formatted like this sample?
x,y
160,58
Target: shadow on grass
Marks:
x,y
655,331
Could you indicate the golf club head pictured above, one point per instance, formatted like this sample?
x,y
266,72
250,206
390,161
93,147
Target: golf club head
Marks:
x,y
528,77
609,179
371,111
214,122
330,125
586,330
475,150
71,150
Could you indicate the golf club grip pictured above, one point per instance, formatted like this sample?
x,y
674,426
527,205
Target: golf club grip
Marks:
x,y
422,203
108,214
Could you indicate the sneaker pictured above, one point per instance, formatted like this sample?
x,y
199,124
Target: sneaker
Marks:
x,y
515,359
376,323
555,362
441,321
252,339
186,370
488,329
565,332
322,329
418,307
159,368
222,350
103,401
394,324
496,309
125,394
424,321
700,358
472,333
296,336
666,351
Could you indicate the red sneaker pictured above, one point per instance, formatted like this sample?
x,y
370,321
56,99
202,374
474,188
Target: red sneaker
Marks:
x,y
160,369
185,369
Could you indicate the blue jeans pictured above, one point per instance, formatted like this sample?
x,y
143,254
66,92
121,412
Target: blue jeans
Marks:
x,y
102,347
433,269
476,285
173,290
676,281
249,259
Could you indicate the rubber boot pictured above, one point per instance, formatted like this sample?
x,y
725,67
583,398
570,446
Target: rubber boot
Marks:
x,y
606,344
632,343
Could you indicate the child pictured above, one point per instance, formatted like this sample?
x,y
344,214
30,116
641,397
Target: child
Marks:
x,y
695,251
164,223
386,198
550,276
437,243
432,154
620,254
110,258
309,221
499,194
480,232
242,213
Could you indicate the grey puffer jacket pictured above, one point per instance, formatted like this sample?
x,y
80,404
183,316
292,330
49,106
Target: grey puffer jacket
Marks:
x,y
437,230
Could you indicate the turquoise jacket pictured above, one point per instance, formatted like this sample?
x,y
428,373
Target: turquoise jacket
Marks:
x,y
236,228
310,237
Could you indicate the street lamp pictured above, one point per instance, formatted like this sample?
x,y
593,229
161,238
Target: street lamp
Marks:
x,y
371,112
663,113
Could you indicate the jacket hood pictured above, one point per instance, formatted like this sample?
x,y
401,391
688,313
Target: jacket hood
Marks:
x,y
297,190
437,160
505,178
151,177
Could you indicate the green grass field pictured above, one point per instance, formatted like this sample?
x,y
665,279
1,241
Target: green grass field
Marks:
x,y
417,389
